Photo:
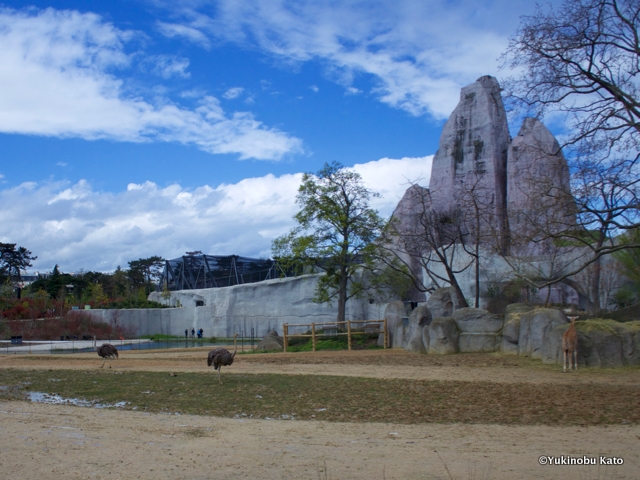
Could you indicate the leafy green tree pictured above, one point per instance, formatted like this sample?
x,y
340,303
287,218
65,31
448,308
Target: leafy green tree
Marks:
x,y
335,233
144,271
12,260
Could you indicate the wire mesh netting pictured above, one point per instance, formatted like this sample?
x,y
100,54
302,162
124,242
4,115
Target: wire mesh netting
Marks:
x,y
213,271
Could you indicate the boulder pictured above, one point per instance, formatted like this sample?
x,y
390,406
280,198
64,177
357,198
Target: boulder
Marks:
x,y
442,302
271,341
535,327
419,320
601,343
394,312
443,336
480,331
511,329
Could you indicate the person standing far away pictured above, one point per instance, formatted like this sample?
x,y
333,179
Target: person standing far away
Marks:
x,y
193,332
186,333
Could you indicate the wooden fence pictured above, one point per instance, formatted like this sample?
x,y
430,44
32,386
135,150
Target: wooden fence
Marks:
x,y
370,326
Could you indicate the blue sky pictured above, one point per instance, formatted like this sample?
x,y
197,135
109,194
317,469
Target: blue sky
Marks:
x,y
151,127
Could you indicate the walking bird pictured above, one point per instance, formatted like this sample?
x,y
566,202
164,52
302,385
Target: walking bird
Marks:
x,y
221,357
107,351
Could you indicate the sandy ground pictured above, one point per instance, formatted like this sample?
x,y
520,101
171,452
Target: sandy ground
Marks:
x,y
43,441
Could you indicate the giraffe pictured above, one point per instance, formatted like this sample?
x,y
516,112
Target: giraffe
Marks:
x,y
570,345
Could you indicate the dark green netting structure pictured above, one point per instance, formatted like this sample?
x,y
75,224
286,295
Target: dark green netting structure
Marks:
x,y
212,271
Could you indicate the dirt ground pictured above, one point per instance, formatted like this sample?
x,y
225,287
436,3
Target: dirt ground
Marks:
x,y
42,441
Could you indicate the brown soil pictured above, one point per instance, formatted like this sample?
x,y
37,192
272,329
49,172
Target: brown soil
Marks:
x,y
43,441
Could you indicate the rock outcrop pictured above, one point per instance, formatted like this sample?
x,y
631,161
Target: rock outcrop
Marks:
x,y
535,328
442,302
601,343
443,336
394,312
519,182
538,190
271,341
473,153
480,331
407,216
511,329
419,321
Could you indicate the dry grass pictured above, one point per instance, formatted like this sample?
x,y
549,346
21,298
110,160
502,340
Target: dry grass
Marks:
x,y
331,398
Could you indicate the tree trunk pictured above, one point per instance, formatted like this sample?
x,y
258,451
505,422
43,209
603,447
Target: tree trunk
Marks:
x,y
462,302
342,293
594,294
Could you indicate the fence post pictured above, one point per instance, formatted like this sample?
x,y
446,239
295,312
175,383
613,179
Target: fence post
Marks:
x,y
386,334
313,336
285,331
349,333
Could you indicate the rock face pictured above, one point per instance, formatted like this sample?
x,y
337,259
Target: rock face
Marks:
x,y
442,302
537,181
601,343
443,336
480,331
271,341
394,313
473,152
407,216
511,329
536,327
519,181
419,321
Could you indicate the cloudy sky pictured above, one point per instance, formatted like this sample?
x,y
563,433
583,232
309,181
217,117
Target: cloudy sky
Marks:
x,y
131,128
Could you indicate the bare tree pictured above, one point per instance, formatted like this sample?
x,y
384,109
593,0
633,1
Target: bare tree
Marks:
x,y
583,61
430,240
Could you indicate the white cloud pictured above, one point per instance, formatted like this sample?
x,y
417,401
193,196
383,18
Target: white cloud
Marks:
x,y
352,91
57,76
191,34
420,52
232,93
167,66
78,227
314,88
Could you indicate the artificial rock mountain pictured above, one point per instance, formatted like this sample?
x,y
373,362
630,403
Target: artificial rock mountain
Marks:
x,y
509,178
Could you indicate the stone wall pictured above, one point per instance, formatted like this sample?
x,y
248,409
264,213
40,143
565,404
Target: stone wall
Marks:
x,y
263,306
525,330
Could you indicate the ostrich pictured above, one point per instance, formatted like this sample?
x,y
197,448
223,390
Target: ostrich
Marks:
x,y
219,357
107,351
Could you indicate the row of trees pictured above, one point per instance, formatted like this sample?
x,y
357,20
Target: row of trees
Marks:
x,y
580,64
124,287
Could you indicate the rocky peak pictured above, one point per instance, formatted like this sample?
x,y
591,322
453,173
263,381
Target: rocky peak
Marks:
x,y
472,155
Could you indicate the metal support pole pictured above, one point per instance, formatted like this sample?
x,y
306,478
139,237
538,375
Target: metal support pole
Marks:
x,y
313,335
349,333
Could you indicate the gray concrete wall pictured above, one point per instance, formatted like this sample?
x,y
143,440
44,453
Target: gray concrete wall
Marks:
x,y
263,306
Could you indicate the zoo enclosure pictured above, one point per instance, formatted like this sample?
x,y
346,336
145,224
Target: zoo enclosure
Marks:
x,y
213,271
331,329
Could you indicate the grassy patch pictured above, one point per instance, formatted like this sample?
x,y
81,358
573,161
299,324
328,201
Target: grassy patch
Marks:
x,y
348,399
341,342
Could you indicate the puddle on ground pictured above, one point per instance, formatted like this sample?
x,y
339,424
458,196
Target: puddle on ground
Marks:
x,y
53,399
